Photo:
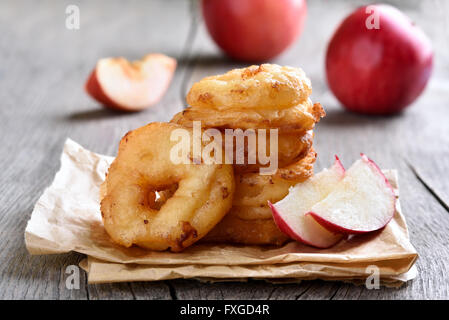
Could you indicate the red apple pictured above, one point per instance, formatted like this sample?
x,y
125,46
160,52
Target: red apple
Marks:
x,y
289,214
131,86
254,30
378,61
363,201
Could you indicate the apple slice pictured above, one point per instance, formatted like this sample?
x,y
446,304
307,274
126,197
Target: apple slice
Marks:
x,y
131,86
290,216
363,201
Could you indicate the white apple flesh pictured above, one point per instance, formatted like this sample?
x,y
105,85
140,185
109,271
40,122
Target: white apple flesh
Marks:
x,y
290,216
131,86
363,201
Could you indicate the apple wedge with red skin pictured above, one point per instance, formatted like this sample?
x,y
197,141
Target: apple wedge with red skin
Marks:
x,y
131,86
362,202
290,216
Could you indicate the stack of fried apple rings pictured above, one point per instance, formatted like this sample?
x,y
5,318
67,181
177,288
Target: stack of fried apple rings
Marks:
x,y
150,200
266,97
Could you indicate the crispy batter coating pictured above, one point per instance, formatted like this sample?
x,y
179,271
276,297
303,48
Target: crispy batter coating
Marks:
x,y
291,146
249,232
267,86
151,202
261,212
253,189
300,170
301,117
154,203
250,219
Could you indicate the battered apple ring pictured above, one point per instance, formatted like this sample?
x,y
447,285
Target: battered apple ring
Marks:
x,y
291,146
154,203
301,118
300,170
267,86
232,229
261,212
250,221
253,189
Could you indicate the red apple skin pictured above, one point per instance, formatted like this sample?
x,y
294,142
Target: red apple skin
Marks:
x,y
379,170
339,165
254,30
378,71
129,73
93,88
333,227
285,228
339,229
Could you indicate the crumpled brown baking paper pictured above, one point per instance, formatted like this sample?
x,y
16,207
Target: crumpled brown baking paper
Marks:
x,y
67,218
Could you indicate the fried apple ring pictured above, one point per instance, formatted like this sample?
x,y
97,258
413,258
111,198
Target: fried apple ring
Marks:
x,y
249,221
253,189
232,229
301,118
156,204
261,212
291,146
300,170
268,86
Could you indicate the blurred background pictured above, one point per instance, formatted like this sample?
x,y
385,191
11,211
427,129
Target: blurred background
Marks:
x,y
45,64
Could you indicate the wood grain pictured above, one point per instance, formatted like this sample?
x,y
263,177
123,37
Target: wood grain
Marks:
x,y
42,102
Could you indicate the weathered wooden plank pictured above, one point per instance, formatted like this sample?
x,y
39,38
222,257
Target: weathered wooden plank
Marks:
x,y
428,149
42,102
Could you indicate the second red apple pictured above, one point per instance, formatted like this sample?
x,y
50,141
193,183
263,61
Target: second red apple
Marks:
x,y
378,61
254,30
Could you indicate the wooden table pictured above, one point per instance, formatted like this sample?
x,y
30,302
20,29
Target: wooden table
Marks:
x,y
43,66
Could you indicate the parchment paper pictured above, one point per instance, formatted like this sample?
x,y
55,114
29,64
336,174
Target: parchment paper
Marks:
x,y
67,218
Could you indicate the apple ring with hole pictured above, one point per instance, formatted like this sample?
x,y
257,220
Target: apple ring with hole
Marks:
x,y
268,86
156,203
300,118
